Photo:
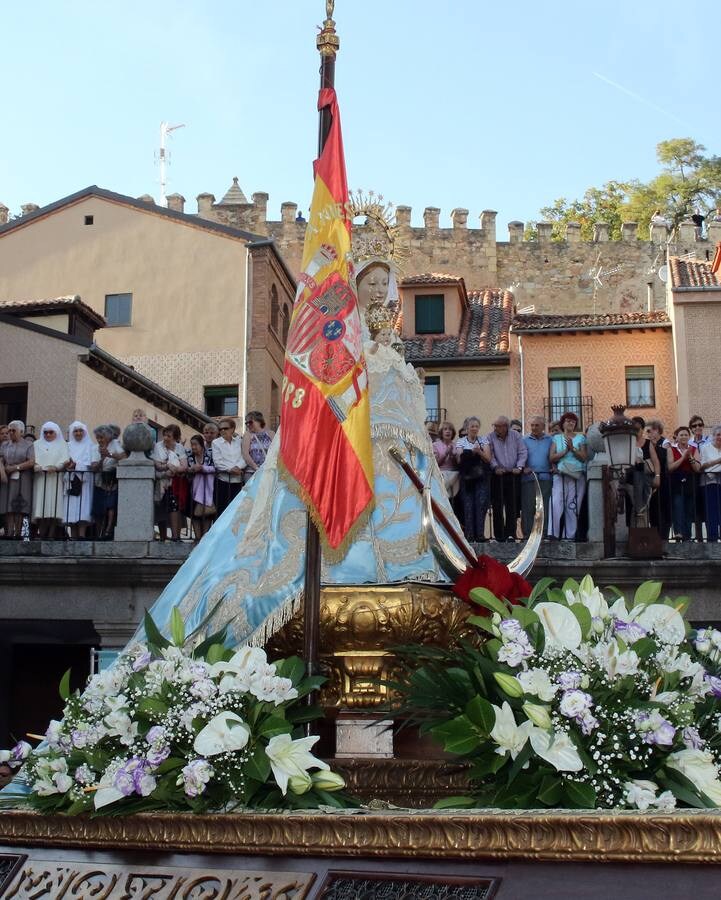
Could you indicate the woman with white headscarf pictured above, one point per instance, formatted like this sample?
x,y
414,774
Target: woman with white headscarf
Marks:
x,y
51,454
79,480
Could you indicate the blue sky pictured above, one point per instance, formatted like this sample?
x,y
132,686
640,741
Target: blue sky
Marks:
x,y
480,105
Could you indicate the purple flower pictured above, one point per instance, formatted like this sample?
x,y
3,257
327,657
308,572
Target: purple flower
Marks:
x,y
570,680
156,755
588,723
124,781
134,778
662,736
141,661
156,735
691,738
714,683
510,628
629,631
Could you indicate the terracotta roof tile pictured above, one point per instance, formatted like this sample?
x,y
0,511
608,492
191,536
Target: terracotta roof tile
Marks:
x,y
483,333
691,273
583,321
431,278
52,304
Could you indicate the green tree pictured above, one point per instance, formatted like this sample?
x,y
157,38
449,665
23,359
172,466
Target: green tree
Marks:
x,y
689,181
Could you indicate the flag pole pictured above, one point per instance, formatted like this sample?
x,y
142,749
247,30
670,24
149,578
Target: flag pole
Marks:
x,y
327,43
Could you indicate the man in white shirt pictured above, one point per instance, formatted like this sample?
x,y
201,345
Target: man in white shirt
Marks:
x,y
229,464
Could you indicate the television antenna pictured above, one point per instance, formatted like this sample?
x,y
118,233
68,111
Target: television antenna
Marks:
x,y
164,157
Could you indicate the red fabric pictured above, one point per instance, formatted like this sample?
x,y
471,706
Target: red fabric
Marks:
x,y
495,577
338,509
716,264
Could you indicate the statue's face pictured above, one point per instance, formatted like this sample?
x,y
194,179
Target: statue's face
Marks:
x,y
372,286
385,337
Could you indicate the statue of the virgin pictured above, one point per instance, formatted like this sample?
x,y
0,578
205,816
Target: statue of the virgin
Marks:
x,y
251,563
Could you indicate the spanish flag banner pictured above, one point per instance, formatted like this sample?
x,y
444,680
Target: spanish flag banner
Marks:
x,y
325,447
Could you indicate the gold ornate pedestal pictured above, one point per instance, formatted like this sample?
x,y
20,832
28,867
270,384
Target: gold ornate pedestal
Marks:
x,y
358,625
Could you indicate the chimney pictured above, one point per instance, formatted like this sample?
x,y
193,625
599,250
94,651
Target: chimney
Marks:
x,y
4,214
288,211
544,232
28,208
147,198
403,216
176,202
459,218
600,232
205,205
431,216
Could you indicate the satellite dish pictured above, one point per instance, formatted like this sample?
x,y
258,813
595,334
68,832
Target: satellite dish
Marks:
x,y
663,274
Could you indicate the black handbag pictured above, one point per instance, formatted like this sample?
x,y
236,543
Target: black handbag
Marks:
x,y
75,487
471,467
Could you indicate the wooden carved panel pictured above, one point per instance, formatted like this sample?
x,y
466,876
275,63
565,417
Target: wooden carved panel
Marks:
x,y
45,880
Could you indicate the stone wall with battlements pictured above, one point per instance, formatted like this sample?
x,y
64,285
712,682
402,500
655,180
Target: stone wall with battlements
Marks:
x,y
568,276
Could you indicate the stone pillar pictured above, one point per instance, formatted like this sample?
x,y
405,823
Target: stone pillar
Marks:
x,y
515,232
403,216
687,232
601,232
205,205
136,485
431,217
658,234
573,233
4,214
260,202
28,208
629,231
713,230
288,212
459,218
594,486
176,202
488,224
544,232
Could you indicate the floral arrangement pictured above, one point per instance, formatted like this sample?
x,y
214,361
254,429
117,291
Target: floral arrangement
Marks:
x,y
173,728
570,699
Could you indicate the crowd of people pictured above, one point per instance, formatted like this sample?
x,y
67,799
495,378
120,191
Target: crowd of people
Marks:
x,y
673,486
64,485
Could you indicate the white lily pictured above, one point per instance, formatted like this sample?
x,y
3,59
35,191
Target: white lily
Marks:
x,y
664,621
591,597
291,758
700,768
224,733
511,738
557,748
560,626
245,661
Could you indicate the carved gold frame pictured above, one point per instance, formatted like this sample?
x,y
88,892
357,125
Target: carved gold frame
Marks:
x,y
689,836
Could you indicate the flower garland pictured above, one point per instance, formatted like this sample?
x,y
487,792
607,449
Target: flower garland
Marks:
x,y
572,700
172,728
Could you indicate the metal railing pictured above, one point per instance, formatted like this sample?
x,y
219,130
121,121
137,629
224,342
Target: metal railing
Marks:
x,y
555,407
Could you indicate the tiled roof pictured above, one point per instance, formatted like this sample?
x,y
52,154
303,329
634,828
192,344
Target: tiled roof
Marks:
x,y
50,305
431,278
691,273
585,322
483,332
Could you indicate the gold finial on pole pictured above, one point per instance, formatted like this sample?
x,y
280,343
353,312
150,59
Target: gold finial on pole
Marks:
x,y
327,41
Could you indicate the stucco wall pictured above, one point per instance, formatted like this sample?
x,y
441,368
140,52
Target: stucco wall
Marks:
x,y
602,357
482,392
697,333
188,284
99,401
48,366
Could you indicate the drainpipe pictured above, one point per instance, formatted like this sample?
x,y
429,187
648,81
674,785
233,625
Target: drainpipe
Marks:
x,y
523,381
246,343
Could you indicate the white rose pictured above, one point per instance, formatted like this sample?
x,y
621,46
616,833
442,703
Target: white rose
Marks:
x,y
538,683
640,794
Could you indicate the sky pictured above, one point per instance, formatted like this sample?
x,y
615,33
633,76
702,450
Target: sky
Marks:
x,y
471,104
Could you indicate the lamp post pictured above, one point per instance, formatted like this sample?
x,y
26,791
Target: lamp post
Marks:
x,y
619,434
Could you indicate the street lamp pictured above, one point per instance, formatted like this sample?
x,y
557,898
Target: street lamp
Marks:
x,y
619,434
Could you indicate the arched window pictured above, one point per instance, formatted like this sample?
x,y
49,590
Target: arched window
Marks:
x,y
274,310
285,316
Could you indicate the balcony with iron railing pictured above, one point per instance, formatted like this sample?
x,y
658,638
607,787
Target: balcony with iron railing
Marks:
x,y
555,407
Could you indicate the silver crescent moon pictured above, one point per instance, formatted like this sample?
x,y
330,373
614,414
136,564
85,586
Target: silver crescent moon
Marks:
x,y
453,563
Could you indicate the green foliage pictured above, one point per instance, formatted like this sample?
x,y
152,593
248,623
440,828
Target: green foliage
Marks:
x,y
689,180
